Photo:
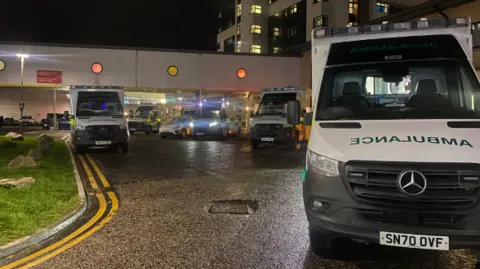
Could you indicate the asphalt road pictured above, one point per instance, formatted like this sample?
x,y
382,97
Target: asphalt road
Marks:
x,y
164,186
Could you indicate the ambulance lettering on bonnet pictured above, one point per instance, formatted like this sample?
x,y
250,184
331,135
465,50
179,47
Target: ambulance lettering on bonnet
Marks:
x,y
410,139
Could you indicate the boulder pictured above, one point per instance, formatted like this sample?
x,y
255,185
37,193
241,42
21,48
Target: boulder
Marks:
x,y
22,162
20,183
17,137
45,138
7,144
45,143
11,134
35,154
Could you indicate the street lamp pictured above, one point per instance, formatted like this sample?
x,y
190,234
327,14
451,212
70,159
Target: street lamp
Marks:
x,y
22,104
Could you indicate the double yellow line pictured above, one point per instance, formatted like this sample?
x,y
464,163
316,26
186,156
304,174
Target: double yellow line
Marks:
x,y
86,230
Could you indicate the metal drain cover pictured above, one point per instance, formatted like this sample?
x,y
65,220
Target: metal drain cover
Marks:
x,y
232,207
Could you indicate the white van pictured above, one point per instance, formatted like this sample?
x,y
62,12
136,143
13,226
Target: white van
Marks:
x,y
99,119
393,156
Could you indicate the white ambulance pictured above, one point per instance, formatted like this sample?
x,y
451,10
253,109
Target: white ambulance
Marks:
x,y
394,150
99,119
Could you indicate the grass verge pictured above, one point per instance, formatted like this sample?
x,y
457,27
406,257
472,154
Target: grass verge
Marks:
x,y
54,194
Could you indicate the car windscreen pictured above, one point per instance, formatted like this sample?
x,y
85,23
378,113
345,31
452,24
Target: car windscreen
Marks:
x,y
99,104
143,111
425,89
275,103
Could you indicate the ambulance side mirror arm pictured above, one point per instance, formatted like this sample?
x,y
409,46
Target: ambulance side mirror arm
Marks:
x,y
293,112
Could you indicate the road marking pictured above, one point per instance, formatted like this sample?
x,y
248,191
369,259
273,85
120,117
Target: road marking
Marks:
x,y
91,222
99,173
78,235
89,173
70,244
65,137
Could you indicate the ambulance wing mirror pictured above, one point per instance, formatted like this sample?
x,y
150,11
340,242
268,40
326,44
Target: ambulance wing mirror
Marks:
x,y
293,112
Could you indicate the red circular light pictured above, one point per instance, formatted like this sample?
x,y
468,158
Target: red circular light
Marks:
x,y
97,68
241,73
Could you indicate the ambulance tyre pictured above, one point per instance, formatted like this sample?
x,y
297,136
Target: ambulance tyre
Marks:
x,y
320,242
78,149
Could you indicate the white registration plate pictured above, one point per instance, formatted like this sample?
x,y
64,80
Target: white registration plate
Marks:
x,y
200,133
268,139
414,241
102,143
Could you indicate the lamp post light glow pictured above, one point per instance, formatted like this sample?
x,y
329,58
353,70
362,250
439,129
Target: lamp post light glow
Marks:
x,y
22,104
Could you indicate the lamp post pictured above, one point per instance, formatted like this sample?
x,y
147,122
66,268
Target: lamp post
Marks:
x,y
22,104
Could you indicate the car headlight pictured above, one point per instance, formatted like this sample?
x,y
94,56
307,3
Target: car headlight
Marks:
x,y
123,126
213,124
191,125
286,125
80,127
322,165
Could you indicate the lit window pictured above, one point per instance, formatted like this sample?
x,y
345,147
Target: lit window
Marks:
x,y
293,9
255,49
276,31
382,7
353,11
277,14
276,49
256,9
255,29
238,28
239,45
320,21
239,10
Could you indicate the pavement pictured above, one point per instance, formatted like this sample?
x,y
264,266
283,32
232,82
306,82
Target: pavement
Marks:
x,y
164,187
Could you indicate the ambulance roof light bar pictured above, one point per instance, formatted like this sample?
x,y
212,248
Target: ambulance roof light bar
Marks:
x,y
385,26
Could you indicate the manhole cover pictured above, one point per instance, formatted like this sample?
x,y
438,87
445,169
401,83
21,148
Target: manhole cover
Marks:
x,y
232,207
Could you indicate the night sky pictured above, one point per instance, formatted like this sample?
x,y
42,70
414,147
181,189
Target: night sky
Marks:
x,y
169,24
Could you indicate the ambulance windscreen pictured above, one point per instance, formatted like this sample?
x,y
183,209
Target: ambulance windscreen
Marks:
x,y
399,48
399,89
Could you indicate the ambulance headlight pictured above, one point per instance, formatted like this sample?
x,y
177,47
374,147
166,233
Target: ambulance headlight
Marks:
x,y
191,124
321,165
123,126
80,127
213,124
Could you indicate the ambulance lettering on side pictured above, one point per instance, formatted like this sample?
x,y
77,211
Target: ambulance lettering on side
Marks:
x,y
393,153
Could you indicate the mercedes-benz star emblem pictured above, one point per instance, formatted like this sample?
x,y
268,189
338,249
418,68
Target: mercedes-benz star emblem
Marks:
x,y
412,182
103,130
267,127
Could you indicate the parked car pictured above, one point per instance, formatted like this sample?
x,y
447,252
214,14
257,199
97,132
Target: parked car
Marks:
x,y
28,121
10,122
175,128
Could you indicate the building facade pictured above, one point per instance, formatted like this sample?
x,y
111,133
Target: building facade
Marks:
x,y
274,26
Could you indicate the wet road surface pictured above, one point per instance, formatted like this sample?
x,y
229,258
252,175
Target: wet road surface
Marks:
x,y
164,187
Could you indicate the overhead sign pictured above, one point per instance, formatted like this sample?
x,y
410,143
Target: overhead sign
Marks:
x,y
49,76
241,73
172,70
97,68
3,65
